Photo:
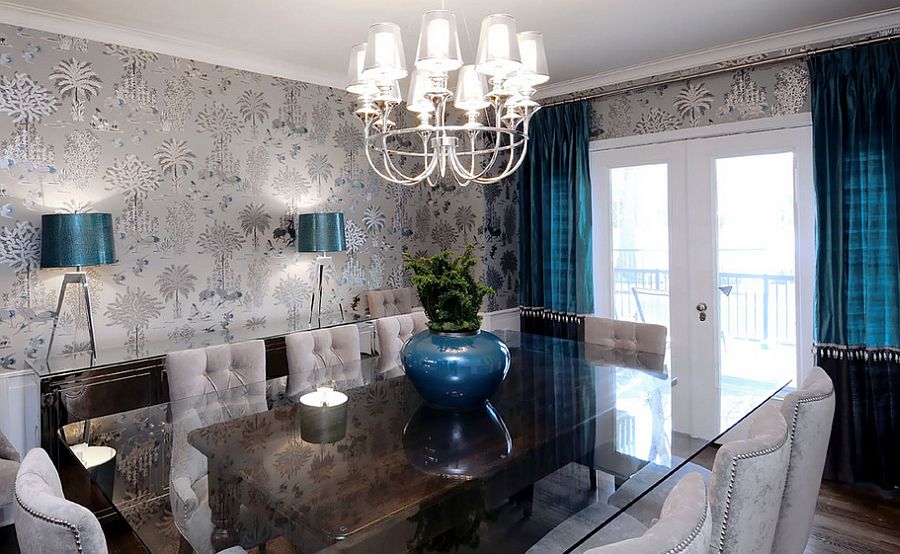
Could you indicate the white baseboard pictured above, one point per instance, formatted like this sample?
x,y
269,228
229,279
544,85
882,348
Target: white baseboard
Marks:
x,y
501,319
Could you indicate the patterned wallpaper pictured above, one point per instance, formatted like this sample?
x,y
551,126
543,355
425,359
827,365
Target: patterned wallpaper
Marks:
x,y
204,169
737,95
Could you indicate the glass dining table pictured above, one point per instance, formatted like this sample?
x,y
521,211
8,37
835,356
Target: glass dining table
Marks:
x,y
349,458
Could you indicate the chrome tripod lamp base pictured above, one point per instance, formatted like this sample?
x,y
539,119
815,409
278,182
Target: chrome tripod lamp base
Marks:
x,y
321,262
75,278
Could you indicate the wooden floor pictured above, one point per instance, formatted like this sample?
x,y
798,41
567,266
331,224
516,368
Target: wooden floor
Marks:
x,y
848,520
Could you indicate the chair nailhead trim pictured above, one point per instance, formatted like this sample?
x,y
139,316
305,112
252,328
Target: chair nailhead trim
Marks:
x,y
733,478
684,544
806,400
55,521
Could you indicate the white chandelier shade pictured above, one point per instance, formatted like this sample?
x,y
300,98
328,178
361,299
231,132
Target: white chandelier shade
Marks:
x,y
486,139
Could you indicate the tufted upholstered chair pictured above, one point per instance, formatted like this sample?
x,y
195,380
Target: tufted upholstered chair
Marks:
x,y
309,353
387,302
9,466
392,333
207,386
47,523
746,485
625,335
809,413
684,524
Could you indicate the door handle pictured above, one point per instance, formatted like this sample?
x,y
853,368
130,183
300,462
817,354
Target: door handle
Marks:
x,y
701,307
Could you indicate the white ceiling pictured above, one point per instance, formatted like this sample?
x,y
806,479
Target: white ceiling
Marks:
x,y
310,39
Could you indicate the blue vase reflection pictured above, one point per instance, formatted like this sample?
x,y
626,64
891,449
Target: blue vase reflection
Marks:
x,y
456,444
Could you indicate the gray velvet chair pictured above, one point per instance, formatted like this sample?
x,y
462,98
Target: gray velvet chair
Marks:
x,y
684,524
309,353
47,523
9,466
625,335
392,333
809,413
746,486
207,386
387,302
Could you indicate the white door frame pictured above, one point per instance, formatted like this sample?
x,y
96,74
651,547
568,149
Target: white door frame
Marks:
x,y
680,149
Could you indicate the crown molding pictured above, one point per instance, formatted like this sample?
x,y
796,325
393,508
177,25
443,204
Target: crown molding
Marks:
x,y
826,32
64,24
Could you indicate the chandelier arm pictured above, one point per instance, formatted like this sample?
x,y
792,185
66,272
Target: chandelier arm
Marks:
x,y
480,177
427,169
374,167
509,170
389,167
381,173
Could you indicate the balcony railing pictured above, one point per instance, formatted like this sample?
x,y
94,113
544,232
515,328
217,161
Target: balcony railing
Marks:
x,y
759,307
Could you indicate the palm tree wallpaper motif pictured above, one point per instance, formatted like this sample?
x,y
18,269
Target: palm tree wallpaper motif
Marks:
x,y
693,101
255,221
78,81
221,241
175,159
509,265
319,169
176,282
254,109
294,293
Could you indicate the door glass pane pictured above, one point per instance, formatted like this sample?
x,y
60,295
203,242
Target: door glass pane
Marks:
x,y
640,237
757,309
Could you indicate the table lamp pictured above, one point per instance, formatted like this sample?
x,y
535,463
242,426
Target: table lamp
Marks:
x,y
76,240
321,233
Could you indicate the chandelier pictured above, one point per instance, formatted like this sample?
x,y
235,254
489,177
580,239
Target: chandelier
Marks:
x,y
485,137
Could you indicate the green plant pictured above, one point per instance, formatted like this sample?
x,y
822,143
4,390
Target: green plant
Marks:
x,y
450,295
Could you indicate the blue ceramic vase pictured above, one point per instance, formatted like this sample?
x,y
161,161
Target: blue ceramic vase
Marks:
x,y
455,370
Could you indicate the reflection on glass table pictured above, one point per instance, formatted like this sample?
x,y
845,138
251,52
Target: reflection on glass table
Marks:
x,y
380,470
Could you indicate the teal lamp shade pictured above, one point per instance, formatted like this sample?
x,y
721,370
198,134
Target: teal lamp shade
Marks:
x,y
321,232
77,240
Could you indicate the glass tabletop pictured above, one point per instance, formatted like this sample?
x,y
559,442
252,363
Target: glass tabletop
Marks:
x,y
375,468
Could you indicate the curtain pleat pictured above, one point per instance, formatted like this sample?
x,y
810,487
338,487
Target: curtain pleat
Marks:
x,y
855,109
555,232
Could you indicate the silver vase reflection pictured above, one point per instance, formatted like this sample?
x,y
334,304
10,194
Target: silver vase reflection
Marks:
x,y
457,444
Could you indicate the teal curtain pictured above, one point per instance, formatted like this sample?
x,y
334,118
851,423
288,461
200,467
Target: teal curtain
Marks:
x,y
856,132
556,283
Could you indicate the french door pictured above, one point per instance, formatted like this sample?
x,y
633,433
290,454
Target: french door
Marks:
x,y
712,237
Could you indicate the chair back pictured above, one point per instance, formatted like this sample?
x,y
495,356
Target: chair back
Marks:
x,y
387,302
45,521
392,333
684,524
625,335
809,413
198,371
310,352
746,486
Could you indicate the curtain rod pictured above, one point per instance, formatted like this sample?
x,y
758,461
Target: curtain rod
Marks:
x,y
717,70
